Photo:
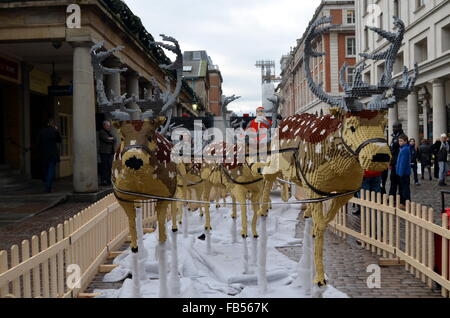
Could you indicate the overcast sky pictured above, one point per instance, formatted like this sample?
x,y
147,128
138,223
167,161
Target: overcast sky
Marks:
x,y
235,33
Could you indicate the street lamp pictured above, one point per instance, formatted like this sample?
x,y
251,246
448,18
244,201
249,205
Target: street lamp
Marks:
x,y
195,107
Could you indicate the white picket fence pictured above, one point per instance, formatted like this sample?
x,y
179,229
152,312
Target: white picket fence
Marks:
x,y
46,266
407,235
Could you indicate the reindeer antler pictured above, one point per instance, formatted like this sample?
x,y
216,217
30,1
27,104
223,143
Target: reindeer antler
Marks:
x,y
353,91
276,100
226,100
314,32
116,106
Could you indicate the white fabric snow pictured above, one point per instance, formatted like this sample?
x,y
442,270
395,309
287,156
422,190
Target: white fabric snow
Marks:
x,y
220,274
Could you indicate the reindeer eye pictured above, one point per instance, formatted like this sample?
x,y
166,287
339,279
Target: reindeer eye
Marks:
x,y
353,129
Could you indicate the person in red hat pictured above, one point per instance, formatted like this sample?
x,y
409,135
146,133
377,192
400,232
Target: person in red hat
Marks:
x,y
260,121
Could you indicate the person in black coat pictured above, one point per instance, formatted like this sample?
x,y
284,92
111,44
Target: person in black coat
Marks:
x,y
425,155
48,140
414,158
395,150
107,142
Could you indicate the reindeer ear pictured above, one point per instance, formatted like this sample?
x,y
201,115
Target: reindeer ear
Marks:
x,y
336,112
161,120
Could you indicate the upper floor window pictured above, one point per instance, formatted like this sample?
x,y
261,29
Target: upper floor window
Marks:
x,y
420,4
397,8
196,56
350,75
350,17
350,43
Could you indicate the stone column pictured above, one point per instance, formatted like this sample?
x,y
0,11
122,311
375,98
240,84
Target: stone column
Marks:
x,y
132,82
426,110
112,85
439,109
393,118
85,178
26,138
413,117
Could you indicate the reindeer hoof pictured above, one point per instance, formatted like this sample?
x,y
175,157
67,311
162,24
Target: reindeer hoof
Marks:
x,y
208,228
134,250
244,236
202,237
174,230
255,236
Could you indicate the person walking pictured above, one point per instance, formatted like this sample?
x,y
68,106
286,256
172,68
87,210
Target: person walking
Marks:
x,y
48,140
442,158
395,150
371,182
106,149
434,150
425,155
403,170
414,157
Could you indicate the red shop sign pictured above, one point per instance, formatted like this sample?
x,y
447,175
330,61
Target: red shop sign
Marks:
x,y
9,69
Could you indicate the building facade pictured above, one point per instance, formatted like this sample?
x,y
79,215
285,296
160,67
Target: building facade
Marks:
x,y
46,72
424,114
340,47
205,79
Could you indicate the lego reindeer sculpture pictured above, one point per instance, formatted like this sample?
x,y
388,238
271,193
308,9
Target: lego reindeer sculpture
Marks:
x,y
326,156
232,168
142,165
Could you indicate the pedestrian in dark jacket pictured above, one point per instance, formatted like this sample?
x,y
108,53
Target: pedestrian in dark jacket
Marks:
x,y
434,150
395,150
106,150
442,155
425,155
48,140
403,169
414,157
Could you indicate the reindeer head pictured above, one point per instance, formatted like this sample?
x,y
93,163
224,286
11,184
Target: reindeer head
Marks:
x,y
138,125
363,125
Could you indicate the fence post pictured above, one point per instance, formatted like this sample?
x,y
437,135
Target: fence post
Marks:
x,y
59,238
26,278
391,222
53,272
385,223
36,271
424,259
430,247
45,275
4,290
378,217
368,219
407,234
15,262
362,210
445,292
373,225
417,248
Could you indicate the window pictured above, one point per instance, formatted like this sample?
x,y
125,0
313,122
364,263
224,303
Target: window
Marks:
x,y
350,46
380,71
366,40
367,77
399,63
351,17
196,56
397,8
365,5
445,38
420,4
64,130
380,25
187,68
421,51
350,75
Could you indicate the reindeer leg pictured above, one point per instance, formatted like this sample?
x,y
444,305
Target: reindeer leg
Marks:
x,y
241,198
319,236
142,254
131,214
174,279
255,207
234,217
206,194
161,212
